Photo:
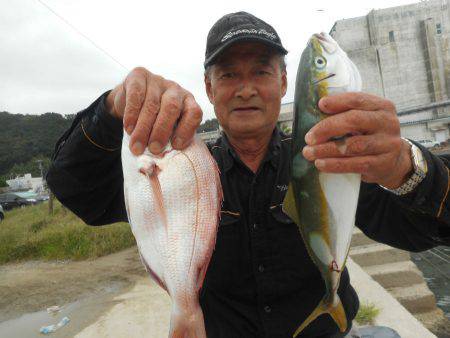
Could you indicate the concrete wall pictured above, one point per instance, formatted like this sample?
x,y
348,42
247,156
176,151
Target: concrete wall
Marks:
x,y
402,56
414,131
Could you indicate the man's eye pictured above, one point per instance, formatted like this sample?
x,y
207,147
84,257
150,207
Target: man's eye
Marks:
x,y
227,75
262,72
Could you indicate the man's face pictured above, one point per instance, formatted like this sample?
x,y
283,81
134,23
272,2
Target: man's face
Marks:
x,y
246,86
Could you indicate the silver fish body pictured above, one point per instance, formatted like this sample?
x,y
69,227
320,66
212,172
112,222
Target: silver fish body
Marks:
x,y
323,205
173,205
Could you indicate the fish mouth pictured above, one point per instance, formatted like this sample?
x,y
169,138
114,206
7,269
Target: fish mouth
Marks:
x,y
324,78
321,37
327,42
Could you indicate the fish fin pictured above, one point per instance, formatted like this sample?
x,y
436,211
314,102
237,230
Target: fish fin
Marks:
x,y
187,324
157,191
336,312
319,310
201,276
152,273
289,207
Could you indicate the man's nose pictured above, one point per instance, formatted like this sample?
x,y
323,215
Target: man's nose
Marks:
x,y
246,90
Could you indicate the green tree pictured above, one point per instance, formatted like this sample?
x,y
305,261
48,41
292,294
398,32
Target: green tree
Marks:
x,y
3,182
26,138
208,125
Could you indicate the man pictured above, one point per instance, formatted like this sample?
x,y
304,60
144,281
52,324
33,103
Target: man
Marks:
x,y
260,282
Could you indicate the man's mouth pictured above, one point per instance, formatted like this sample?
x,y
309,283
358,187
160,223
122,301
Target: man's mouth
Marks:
x,y
244,109
324,78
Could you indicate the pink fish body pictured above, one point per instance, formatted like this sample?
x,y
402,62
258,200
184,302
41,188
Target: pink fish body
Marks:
x,y
173,204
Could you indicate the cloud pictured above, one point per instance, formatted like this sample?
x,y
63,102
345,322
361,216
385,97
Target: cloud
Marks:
x,y
48,66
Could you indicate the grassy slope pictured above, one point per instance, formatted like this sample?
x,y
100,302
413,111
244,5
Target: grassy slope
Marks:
x,y
31,233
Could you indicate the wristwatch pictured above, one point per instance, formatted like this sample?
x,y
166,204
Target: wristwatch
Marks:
x,y
420,171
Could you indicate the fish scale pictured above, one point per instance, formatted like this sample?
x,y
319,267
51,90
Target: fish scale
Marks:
x,y
173,204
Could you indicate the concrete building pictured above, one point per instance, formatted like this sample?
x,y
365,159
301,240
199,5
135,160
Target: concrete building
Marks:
x,y
209,136
403,54
26,182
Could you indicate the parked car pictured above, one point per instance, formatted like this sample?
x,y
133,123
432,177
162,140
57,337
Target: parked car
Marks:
x,y
30,196
42,198
2,214
11,200
429,143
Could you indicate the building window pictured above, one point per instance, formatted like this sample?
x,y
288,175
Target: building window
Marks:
x,y
438,28
391,36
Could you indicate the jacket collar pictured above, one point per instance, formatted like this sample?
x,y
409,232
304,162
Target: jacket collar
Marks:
x,y
230,156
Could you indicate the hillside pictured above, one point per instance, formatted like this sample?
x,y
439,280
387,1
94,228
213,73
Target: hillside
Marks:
x,y
27,137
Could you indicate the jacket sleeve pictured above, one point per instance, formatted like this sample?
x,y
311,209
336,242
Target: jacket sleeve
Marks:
x,y
86,170
416,221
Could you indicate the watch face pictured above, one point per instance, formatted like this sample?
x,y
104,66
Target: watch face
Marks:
x,y
420,165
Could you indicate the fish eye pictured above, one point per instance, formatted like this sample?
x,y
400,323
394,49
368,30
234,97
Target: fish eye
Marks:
x,y
320,62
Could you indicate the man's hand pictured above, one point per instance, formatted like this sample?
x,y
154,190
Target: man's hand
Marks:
x,y
150,106
375,149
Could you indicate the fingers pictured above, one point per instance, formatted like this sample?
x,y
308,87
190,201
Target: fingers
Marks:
x,y
373,168
375,158
170,111
363,165
146,118
351,122
374,149
190,120
135,87
354,100
151,106
359,145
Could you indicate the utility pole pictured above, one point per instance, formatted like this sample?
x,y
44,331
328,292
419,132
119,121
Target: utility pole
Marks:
x,y
50,202
40,167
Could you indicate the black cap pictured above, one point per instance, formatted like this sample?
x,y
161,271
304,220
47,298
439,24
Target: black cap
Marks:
x,y
240,26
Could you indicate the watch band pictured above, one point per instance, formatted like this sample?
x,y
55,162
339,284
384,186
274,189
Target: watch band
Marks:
x,y
420,171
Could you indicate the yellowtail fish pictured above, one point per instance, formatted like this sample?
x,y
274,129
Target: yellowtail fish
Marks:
x,y
173,204
323,205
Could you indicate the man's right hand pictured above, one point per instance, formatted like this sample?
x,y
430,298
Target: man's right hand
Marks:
x,y
150,106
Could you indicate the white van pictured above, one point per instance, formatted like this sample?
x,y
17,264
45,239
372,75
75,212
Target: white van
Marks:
x,y
428,143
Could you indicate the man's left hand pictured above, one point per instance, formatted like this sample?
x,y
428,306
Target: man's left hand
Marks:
x,y
374,149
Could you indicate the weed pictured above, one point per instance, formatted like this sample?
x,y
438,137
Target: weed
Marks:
x,y
367,314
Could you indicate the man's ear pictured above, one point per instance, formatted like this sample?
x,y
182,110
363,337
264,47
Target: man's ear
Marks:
x,y
208,88
283,83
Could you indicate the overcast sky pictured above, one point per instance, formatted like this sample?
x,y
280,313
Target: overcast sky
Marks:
x,y
46,65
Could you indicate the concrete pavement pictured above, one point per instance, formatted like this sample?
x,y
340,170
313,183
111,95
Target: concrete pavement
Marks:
x,y
144,311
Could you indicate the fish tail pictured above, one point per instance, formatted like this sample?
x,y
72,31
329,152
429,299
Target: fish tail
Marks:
x,y
336,312
187,324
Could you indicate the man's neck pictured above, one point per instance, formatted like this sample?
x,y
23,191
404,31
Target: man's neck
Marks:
x,y
251,151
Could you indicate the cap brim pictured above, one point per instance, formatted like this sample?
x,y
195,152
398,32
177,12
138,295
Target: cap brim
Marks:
x,y
213,57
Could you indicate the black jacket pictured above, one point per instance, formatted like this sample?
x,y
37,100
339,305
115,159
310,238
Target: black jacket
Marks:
x,y
261,281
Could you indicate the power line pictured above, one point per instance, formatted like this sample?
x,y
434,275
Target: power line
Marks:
x,y
81,33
